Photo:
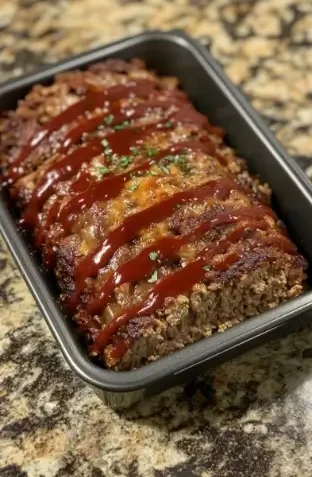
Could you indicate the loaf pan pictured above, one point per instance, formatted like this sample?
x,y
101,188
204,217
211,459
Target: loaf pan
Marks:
x,y
174,53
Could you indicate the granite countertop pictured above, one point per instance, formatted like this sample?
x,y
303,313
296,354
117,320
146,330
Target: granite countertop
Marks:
x,y
251,417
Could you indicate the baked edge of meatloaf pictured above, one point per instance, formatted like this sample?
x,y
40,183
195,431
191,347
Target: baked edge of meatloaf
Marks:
x,y
219,256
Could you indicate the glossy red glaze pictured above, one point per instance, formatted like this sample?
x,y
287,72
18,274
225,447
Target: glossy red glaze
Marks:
x,y
65,167
111,186
93,99
85,191
131,226
180,282
120,348
60,170
167,248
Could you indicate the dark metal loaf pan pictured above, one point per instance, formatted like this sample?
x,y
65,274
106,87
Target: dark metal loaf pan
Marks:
x,y
213,94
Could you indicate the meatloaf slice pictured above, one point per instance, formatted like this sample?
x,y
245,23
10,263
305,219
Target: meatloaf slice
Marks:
x,y
157,233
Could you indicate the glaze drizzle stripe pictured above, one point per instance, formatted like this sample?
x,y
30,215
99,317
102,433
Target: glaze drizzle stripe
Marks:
x,y
182,281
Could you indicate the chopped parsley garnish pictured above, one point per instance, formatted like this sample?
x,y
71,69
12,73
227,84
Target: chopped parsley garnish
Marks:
x,y
101,171
124,161
122,125
207,267
183,163
109,119
168,124
164,169
180,160
151,151
154,277
153,173
132,187
169,158
105,143
153,255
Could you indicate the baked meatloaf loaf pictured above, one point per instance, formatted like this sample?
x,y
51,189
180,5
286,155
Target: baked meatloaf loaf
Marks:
x,y
156,232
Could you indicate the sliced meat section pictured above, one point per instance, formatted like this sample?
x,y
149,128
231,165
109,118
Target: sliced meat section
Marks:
x,y
157,233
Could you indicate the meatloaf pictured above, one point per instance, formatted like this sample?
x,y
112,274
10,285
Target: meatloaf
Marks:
x,y
157,234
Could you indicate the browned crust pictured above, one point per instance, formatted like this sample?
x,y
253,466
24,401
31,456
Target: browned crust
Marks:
x,y
285,271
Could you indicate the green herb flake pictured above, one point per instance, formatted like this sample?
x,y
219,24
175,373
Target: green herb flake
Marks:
x,y
169,158
207,268
153,255
165,170
154,277
153,173
151,151
180,160
101,171
105,143
122,125
132,187
125,161
109,119
168,124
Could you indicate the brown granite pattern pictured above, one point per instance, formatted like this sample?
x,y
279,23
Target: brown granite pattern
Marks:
x,y
248,418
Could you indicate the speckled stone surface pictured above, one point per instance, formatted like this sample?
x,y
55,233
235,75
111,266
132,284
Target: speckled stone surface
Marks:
x,y
251,417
